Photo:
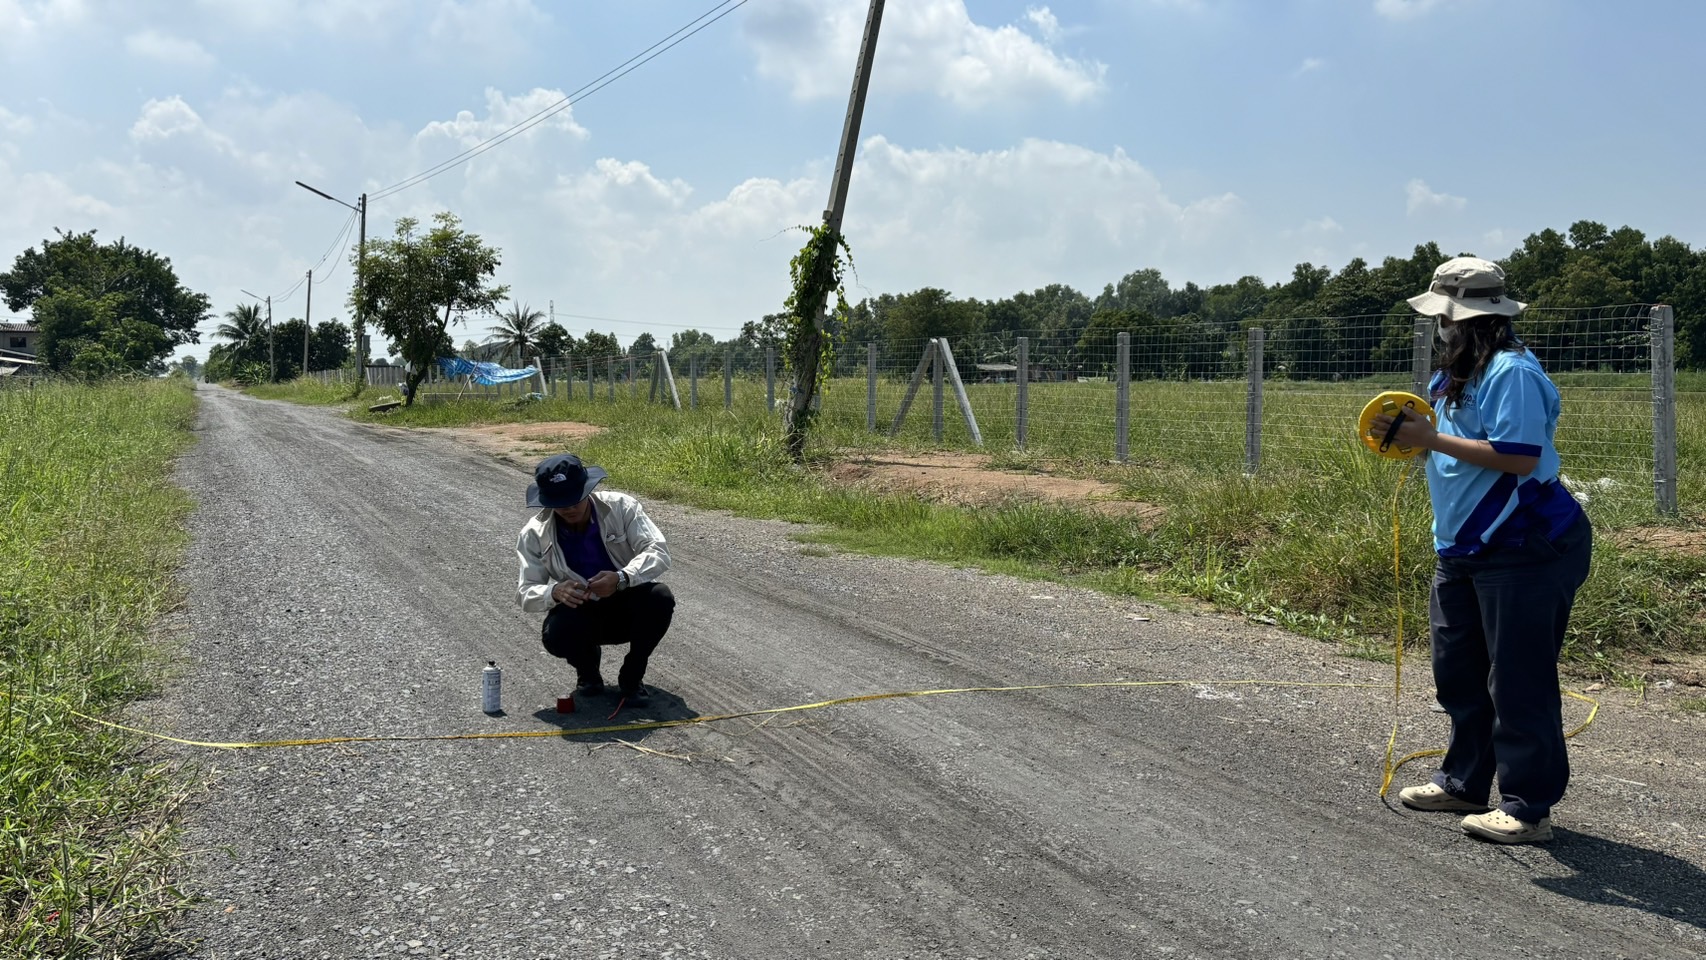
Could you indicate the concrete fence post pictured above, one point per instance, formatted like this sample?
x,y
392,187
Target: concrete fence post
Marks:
x,y
1253,403
1022,414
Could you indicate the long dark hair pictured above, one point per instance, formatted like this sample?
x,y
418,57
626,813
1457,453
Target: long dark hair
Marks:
x,y
1465,357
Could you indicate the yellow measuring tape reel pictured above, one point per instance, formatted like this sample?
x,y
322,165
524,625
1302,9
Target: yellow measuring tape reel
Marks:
x,y
1398,405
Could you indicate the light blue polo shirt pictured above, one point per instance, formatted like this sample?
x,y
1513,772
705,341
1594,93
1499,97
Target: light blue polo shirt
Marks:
x,y
1514,406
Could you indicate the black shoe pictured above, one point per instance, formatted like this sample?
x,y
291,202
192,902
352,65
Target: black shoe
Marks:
x,y
636,696
590,687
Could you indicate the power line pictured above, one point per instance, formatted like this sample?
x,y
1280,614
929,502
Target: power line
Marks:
x,y
586,90
341,238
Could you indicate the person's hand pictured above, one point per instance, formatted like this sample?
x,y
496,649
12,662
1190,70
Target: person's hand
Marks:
x,y
570,594
1415,431
604,583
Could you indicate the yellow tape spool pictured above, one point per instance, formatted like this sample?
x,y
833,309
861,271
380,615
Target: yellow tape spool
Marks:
x,y
1391,403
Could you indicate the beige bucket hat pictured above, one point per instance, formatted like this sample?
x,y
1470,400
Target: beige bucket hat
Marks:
x,y
1467,287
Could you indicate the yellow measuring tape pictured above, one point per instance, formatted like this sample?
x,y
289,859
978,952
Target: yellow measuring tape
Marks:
x,y
691,721
1395,403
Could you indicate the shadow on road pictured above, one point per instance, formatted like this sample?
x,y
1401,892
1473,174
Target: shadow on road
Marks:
x,y
592,712
1618,874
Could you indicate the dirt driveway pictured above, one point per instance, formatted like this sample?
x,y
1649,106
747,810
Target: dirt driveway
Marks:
x,y
348,579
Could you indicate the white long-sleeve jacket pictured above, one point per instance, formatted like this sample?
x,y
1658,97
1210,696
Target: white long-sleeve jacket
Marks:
x,y
634,543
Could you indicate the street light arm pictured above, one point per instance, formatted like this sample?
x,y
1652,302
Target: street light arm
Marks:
x,y
327,196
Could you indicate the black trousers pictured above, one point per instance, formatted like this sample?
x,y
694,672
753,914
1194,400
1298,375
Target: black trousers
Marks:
x,y
638,616
1498,627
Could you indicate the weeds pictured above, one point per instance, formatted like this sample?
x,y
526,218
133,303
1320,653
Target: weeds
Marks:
x,y
88,547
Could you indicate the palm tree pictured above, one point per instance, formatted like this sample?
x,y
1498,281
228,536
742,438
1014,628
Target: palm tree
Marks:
x,y
246,327
518,330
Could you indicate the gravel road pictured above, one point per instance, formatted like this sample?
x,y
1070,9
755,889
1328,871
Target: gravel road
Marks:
x,y
352,579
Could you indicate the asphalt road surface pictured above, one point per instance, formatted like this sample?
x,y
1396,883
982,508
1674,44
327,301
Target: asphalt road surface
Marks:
x,y
353,580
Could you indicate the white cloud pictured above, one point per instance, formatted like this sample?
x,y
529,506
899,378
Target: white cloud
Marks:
x,y
1407,9
15,124
926,45
1309,65
504,112
1047,24
155,45
1422,199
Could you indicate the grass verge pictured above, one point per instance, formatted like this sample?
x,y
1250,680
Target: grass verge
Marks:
x,y
89,543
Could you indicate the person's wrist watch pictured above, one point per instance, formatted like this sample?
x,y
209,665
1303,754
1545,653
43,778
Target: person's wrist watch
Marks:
x,y
622,581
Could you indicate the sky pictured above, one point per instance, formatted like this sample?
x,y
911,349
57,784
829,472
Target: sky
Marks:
x,y
1005,145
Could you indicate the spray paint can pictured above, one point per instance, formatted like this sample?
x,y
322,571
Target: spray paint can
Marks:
x,y
491,684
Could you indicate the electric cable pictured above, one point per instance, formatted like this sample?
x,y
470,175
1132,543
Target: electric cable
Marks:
x,y
586,90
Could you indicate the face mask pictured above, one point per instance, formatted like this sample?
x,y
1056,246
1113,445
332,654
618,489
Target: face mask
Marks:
x,y
1448,333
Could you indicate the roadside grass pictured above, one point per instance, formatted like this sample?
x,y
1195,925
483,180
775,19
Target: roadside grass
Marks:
x,y
89,544
1306,544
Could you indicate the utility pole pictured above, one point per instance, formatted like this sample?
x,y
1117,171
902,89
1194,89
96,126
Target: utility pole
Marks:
x,y
807,353
307,322
361,298
360,207
272,364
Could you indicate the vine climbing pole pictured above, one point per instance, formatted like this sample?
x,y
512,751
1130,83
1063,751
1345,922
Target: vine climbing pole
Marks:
x,y
818,268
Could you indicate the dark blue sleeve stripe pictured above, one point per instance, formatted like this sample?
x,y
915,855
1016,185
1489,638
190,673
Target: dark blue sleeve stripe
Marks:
x,y
1518,449
1493,503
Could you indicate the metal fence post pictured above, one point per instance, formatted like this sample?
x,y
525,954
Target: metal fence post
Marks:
x,y
1022,414
729,380
1122,397
1664,409
1421,355
1253,404
568,378
610,372
633,380
693,381
936,381
871,386
770,377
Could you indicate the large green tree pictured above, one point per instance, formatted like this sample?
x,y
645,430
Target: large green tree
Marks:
x,y
416,284
102,308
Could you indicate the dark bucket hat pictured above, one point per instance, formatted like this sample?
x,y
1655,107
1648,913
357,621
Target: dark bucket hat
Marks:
x,y
563,481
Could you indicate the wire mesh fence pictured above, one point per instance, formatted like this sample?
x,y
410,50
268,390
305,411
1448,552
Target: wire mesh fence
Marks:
x,y
1280,395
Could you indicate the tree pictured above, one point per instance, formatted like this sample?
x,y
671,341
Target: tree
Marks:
x,y
518,330
330,346
415,285
121,304
598,346
190,366
554,341
644,345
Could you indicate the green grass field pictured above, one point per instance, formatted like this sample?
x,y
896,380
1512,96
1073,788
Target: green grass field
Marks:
x,y
90,540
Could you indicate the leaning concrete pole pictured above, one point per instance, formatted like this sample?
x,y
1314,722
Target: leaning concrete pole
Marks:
x,y
806,352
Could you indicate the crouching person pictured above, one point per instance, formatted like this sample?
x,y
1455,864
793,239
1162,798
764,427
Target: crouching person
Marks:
x,y
590,561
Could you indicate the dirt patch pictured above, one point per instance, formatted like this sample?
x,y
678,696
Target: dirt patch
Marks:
x,y
525,442
966,479
1666,539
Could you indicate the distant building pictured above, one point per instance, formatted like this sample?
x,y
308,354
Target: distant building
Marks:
x,y
19,340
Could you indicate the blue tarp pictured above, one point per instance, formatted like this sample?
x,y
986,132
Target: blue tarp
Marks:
x,y
487,374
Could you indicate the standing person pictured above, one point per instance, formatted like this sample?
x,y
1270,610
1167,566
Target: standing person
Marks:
x,y
1514,548
590,560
